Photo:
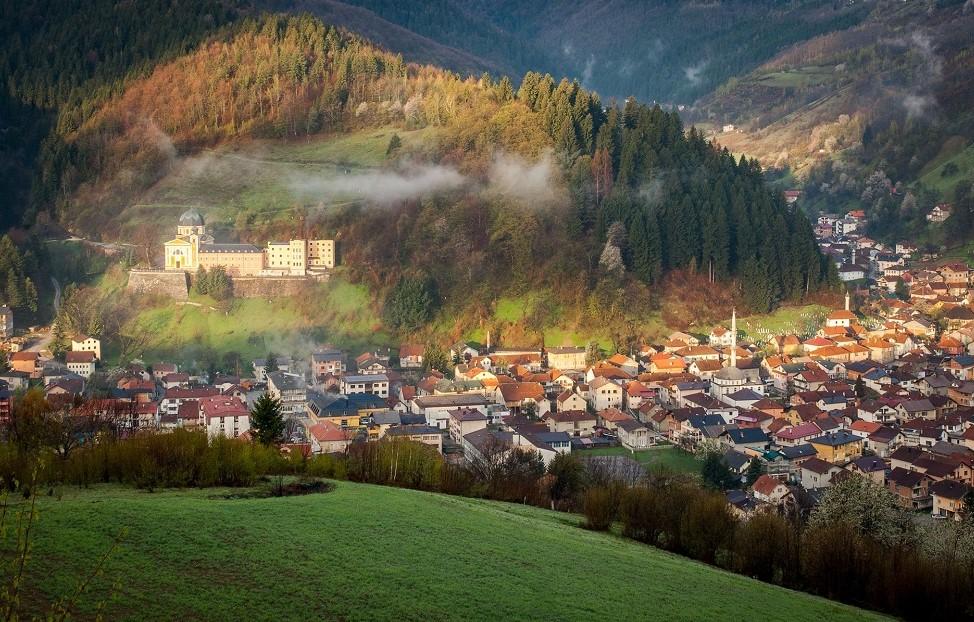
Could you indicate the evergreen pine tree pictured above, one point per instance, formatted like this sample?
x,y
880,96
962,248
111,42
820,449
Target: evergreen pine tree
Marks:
x,y
266,420
395,143
30,295
754,471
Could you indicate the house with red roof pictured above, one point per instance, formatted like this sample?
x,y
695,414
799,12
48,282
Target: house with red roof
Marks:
x,y
770,489
224,415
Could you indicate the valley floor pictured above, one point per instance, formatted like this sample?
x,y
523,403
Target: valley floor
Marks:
x,y
372,553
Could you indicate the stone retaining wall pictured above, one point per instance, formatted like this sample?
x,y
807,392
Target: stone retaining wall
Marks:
x,y
172,284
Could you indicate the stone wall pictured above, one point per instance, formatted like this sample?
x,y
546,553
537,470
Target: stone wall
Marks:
x,y
176,284
271,286
172,284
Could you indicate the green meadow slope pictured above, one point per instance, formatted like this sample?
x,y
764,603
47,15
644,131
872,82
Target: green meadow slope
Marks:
x,y
373,553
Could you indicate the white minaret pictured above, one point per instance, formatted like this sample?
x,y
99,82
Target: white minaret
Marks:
x,y
733,360
847,301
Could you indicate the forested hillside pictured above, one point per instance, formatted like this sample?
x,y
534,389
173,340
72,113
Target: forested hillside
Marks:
x,y
60,59
499,190
656,50
877,116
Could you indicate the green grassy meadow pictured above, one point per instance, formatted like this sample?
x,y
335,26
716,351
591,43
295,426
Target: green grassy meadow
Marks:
x,y
667,456
372,553
254,182
954,152
336,312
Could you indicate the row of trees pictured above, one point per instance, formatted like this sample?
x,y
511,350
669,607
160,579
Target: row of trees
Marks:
x,y
17,266
858,546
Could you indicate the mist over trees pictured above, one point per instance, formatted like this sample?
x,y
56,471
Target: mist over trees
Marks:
x,y
671,200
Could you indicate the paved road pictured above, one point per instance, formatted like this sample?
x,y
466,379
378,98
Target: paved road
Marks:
x,y
57,294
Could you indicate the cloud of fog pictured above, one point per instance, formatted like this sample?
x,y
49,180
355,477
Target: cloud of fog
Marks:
x,y
652,190
159,139
587,71
916,96
693,73
918,105
655,51
626,68
517,178
381,187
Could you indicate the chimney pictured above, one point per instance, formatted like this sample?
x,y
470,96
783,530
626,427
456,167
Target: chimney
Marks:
x,y
733,358
847,301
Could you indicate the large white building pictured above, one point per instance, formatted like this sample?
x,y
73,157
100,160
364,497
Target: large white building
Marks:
x,y
193,248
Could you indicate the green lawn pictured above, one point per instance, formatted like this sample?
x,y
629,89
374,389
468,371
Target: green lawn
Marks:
x,y
801,320
961,156
668,456
336,312
372,553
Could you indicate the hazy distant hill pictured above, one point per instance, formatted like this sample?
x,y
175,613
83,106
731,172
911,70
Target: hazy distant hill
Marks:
x,y
656,50
890,97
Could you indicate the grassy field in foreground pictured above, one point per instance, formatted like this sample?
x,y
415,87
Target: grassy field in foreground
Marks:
x,y
371,553
668,456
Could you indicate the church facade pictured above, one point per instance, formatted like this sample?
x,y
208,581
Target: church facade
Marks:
x,y
193,248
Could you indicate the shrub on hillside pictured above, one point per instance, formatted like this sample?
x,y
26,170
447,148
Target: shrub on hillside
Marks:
x,y
600,506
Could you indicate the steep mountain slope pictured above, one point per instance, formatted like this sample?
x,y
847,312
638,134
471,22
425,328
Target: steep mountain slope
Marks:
x,y
891,95
659,50
394,36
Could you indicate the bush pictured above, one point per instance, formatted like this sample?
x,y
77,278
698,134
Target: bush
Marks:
x,y
765,547
600,506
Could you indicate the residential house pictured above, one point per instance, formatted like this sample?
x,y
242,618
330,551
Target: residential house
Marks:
x,y
328,362
604,393
519,396
372,363
464,421
420,433
838,447
770,490
948,498
81,363
573,422
633,435
290,389
816,473
610,418
373,384
746,438
26,362
568,357
569,400
224,416
174,398
84,343
720,336
870,467
328,438
912,488
411,355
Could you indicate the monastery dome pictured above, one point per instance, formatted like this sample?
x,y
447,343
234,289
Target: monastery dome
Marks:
x,y
191,218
